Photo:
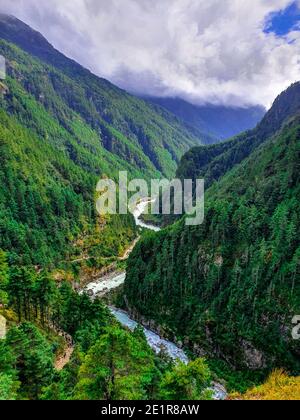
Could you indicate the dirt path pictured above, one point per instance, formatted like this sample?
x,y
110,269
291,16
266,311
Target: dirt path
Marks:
x,y
129,250
64,359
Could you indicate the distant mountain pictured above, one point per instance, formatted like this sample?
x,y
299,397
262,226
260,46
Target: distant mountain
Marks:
x,y
219,121
230,288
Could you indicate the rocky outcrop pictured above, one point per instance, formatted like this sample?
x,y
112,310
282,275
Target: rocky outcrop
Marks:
x,y
254,359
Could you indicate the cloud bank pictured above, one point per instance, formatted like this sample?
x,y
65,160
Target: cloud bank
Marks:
x,y
205,51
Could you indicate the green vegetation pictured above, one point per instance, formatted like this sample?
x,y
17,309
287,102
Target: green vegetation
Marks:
x,y
43,309
213,162
177,384
108,362
47,202
32,358
230,287
95,114
60,131
237,380
222,122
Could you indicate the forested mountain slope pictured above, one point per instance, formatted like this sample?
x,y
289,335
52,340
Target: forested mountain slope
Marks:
x,y
47,200
212,162
125,125
230,287
107,361
62,128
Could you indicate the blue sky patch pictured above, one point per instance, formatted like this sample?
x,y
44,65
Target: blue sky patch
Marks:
x,y
282,22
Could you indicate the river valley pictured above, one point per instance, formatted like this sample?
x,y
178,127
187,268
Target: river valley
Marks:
x,y
103,285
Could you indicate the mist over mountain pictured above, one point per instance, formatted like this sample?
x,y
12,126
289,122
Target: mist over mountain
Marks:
x,y
221,122
222,52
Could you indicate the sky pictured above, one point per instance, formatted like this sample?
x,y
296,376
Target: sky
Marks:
x,y
282,22
229,52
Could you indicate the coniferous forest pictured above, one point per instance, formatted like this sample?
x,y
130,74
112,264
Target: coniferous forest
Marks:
x,y
225,292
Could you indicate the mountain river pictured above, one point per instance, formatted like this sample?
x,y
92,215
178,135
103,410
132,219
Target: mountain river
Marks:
x,y
114,280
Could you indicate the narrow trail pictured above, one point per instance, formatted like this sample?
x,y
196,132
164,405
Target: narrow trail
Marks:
x,y
129,250
63,360
2,327
123,257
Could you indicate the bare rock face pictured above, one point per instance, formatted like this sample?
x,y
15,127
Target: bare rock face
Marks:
x,y
2,327
254,358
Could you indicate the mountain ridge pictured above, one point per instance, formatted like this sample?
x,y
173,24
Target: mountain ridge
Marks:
x,y
36,44
221,122
135,119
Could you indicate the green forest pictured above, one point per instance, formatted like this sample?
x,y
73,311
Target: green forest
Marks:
x,y
108,362
230,287
61,130
224,292
66,143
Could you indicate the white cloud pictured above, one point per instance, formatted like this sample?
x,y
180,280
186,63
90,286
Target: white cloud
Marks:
x,y
203,50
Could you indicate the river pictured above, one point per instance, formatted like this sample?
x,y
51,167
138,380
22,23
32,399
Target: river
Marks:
x,y
114,280
103,285
139,210
154,340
